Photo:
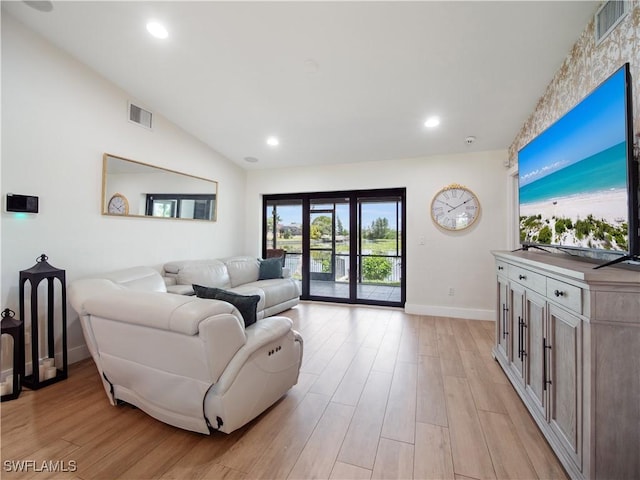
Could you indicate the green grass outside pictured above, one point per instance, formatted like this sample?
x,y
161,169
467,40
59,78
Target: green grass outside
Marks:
x,y
381,246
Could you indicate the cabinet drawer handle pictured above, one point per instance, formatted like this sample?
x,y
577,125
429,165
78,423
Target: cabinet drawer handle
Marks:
x,y
500,268
522,277
558,293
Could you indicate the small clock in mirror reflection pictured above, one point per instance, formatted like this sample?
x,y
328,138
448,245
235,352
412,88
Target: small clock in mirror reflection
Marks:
x,y
118,205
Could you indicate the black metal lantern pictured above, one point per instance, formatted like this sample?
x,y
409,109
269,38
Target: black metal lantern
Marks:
x,y
48,372
10,389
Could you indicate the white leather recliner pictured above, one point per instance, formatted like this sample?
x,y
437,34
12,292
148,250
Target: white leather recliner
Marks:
x,y
186,361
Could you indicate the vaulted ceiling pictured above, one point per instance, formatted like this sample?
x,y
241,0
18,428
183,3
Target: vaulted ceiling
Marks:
x,y
333,81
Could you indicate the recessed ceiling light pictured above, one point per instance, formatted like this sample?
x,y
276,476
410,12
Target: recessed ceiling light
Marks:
x,y
432,122
251,159
157,30
273,141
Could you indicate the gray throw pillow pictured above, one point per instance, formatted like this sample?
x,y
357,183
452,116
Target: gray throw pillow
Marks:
x,y
246,304
270,268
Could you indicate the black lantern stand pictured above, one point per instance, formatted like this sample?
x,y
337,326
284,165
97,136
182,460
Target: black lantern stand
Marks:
x,y
41,271
15,328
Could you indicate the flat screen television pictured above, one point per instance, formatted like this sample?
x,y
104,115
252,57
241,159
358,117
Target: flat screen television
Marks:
x,y
578,180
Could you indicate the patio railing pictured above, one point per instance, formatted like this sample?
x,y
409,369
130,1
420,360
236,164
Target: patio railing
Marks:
x,y
386,271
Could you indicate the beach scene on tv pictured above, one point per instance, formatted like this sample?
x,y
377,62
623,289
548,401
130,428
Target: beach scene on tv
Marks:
x,y
573,177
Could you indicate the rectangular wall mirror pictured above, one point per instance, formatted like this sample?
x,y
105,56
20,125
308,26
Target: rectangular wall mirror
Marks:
x,y
137,189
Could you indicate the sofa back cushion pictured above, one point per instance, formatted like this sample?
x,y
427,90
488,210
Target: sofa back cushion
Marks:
x,y
210,273
138,278
242,270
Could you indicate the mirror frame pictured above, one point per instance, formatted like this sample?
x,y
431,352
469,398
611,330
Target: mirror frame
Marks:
x,y
105,200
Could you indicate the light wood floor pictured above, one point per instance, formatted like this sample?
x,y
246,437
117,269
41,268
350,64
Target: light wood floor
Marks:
x,y
381,394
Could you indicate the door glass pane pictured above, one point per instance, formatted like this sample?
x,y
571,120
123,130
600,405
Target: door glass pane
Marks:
x,y
379,259
187,208
198,209
164,208
329,248
284,231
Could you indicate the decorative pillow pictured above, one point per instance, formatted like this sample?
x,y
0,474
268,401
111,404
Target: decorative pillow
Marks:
x,y
270,268
246,304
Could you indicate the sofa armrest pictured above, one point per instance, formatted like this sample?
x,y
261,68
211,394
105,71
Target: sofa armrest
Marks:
x,y
177,313
258,335
223,336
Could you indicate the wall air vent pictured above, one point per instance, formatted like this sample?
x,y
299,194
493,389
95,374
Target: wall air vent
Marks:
x,y
140,116
608,16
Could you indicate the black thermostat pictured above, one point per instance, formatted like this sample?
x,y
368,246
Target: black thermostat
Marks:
x,y
22,203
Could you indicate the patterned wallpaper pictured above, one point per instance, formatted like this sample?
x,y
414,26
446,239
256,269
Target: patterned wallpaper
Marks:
x,y
586,66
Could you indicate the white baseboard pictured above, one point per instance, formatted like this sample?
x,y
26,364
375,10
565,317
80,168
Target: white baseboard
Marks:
x,y
74,355
453,312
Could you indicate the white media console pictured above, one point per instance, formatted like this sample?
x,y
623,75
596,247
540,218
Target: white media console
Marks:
x,y
568,339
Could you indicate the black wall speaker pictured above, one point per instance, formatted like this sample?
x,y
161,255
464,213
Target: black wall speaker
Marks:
x,y
22,203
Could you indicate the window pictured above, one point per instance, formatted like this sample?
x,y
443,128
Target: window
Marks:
x,y
194,206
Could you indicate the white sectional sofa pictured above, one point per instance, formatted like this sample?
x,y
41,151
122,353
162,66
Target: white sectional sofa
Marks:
x,y
187,361
235,274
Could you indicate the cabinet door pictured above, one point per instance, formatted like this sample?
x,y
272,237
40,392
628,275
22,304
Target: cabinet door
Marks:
x,y
535,315
564,376
502,328
516,340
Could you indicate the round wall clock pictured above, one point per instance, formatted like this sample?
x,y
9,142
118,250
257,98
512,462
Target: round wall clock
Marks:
x,y
118,205
455,207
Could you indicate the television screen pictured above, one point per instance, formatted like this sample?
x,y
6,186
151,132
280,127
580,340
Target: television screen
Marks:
x,y
576,184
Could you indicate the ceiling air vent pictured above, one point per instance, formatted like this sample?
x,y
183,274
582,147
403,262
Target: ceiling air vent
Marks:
x,y
608,16
140,115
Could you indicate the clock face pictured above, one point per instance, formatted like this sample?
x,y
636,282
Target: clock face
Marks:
x,y
118,205
455,208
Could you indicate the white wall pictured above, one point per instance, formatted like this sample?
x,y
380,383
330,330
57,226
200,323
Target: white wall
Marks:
x,y
459,260
58,118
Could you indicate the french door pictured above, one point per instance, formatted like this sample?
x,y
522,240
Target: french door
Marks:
x,y
342,246
329,248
